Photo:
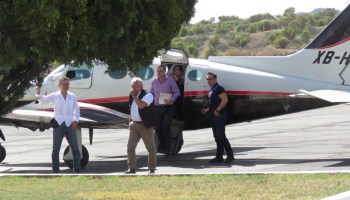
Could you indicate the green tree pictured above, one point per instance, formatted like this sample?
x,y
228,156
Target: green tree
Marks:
x,y
242,39
305,36
214,42
227,18
281,42
289,32
273,35
178,43
201,28
210,52
253,28
259,17
34,34
192,50
232,35
223,27
183,31
266,25
289,12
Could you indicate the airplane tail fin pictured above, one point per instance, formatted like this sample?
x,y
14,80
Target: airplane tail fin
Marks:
x,y
337,32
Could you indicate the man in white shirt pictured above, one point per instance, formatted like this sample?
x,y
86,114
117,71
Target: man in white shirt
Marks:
x,y
66,114
141,125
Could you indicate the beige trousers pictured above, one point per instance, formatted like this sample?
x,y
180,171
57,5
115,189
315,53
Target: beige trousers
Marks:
x,y
138,131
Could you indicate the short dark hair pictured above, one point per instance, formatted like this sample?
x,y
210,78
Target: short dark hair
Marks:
x,y
162,66
212,74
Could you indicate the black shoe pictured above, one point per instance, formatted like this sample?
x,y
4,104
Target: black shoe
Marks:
x,y
151,171
77,171
56,171
229,159
167,154
216,160
160,149
130,171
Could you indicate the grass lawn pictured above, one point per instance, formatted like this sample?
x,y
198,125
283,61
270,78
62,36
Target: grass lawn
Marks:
x,y
272,186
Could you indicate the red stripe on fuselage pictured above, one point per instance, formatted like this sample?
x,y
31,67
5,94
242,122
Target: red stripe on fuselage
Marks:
x,y
105,100
231,92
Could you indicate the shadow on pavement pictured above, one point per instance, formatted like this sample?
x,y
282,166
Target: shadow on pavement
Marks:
x,y
188,160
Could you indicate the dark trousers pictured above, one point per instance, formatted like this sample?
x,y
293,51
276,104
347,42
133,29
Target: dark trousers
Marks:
x,y
222,143
163,126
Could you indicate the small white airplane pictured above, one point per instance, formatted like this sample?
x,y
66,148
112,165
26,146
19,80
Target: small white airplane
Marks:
x,y
257,86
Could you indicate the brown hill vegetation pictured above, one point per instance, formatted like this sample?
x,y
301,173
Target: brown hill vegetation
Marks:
x,y
261,34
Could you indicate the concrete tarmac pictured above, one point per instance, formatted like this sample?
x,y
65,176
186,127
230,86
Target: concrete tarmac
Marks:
x,y
315,141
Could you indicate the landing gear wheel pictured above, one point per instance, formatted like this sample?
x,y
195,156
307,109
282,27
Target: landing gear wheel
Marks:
x,y
83,162
2,153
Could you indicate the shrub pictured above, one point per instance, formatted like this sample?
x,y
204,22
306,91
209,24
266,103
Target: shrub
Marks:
x,y
210,52
192,50
214,41
273,35
242,39
183,32
281,42
305,36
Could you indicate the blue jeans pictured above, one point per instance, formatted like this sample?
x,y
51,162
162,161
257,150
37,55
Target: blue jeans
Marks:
x,y
71,136
222,143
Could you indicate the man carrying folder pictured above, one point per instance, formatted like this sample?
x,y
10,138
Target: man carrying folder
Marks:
x,y
165,92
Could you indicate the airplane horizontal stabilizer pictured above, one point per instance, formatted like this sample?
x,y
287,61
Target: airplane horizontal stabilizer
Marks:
x,y
333,96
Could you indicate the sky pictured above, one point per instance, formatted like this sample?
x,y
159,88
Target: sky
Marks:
x,y
205,9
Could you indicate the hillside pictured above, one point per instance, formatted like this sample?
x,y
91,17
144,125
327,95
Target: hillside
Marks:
x,y
261,34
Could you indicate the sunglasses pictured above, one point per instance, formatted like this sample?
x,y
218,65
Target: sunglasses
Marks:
x,y
209,79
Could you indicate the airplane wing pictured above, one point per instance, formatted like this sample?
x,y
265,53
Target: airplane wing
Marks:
x,y
333,96
91,116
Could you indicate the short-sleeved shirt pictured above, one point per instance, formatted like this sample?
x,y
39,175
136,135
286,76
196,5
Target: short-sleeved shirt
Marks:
x,y
214,99
134,110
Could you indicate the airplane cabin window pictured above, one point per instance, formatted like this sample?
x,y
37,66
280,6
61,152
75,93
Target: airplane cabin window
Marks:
x,y
70,74
195,75
78,73
119,74
145,73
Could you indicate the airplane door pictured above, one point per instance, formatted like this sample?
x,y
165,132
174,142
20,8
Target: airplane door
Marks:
x,y
80,77
195,95
195,80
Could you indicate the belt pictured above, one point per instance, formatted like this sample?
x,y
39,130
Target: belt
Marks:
x,y
137,122
163,106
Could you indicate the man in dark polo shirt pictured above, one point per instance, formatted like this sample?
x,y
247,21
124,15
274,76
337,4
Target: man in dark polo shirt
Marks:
x,y
217,110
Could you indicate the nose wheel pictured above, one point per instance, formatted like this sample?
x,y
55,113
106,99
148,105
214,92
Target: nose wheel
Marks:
x,y
84,159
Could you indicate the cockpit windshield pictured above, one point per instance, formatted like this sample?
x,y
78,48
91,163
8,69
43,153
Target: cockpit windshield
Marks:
x,y
55,73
